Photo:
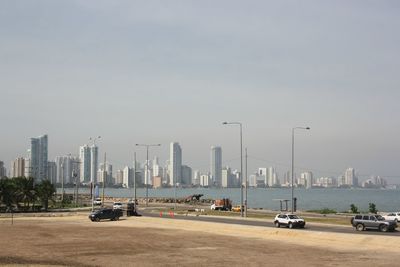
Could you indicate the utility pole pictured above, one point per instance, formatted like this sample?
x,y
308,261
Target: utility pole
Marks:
x,y
134,180
104,178
247,184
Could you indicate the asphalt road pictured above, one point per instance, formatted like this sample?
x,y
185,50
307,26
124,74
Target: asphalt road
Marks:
x,y
244,221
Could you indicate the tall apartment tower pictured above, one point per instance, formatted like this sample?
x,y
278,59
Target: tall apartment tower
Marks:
x,y
175,159
216,165
38,158
3,171
18,167
350,177
85,163
94,163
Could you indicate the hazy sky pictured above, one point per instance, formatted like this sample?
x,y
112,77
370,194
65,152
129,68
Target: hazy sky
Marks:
x,y
162,71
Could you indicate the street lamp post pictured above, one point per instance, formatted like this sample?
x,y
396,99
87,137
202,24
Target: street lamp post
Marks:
x,y
147,168
241,164
293,129
92,182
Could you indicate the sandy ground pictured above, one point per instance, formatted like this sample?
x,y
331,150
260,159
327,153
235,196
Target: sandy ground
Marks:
x,y
140,241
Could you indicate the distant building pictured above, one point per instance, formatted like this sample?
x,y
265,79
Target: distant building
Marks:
x,y
205,180
350,178
186,175
175,158
127,177
3,171
94,163
375,182
52,172
326,182
307,179
157,182
18,167
38,158
105,175
119,178
227,178
216,165
67,168
263,173
196,178
85,166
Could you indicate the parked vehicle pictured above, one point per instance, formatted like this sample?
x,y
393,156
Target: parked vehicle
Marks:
x,y
222,204
117,205
104,214
393,216
289,220
362,222
237,208
97,201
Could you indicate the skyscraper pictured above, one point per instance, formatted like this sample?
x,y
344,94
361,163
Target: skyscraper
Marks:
x,y
186,175
216,165
38,158
52,171
85,163
350,177
94,163
175,159
18,167
307,179
3,171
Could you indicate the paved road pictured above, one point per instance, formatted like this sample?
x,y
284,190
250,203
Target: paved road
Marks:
x,y
309,226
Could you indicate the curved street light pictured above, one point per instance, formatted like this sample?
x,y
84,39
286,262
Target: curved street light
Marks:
x,y
293,129
241,165
147,168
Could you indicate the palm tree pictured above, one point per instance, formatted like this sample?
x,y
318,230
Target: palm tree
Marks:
x,y
45,191
26,192
8,192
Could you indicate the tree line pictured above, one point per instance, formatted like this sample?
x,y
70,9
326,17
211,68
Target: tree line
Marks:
x,y
23,194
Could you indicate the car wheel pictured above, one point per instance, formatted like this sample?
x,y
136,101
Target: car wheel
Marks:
x,y
360,227
117,218
290,225
277,224
97,219
383,228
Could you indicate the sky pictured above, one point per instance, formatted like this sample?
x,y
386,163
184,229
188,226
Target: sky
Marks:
x,y
164,71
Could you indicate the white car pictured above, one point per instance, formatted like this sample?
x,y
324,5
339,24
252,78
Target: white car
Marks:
x,y
117,206
393,216
97,201
289,220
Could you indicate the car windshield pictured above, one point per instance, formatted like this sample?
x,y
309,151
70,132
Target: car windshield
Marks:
x,y
117,203
379,218
293,217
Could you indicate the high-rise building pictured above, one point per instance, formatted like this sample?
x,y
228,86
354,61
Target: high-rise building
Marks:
x,y
119,178
263,173
18,167
216,165
38,158
52,172
67,169
205,180
307,179
175,159
3,171
196,178
350,177
272,177
85,163
94,163
127,177
105,175
186,175
227,180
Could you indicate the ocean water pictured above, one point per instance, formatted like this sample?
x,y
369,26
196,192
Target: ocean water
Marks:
x,y
308,199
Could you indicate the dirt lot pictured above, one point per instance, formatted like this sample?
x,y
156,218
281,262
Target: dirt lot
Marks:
x,y
75,241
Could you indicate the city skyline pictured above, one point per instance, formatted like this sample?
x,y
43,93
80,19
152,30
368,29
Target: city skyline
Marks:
x,y
156,72
69,168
